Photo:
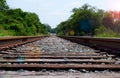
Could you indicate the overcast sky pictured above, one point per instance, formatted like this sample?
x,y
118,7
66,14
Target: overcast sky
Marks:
x,y
53,12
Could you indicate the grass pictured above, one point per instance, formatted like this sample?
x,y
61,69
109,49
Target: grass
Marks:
x,y
105,32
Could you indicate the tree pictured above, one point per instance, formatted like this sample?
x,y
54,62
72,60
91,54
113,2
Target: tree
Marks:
x,y
19,23
48,27
3,5
83,21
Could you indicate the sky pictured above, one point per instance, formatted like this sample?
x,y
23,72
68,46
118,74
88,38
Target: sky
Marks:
x,y
53,12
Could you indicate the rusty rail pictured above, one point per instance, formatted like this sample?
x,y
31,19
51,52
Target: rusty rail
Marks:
x,y
111,45
79,61
56,57
8,42
60,66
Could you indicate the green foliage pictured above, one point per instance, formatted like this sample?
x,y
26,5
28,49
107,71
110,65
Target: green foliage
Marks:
x,y
102,31
88,20
48,28
83,21
3,5
19,23
6,32
53,30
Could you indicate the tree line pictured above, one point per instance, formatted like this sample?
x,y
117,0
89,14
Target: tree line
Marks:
x,y
16,22
89,21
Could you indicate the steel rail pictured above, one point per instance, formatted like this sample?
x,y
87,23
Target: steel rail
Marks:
x,y
8,42
111,45
58,61
61,66
56,57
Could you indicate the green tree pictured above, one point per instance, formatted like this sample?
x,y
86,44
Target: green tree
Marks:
x,y
3,5
83,21
17,22
48,27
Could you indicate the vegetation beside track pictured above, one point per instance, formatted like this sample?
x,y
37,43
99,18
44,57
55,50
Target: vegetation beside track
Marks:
x,y
89,21
15,22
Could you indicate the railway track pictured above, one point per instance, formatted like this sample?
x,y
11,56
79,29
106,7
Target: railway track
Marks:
x,y
110,45
23,53
10,42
